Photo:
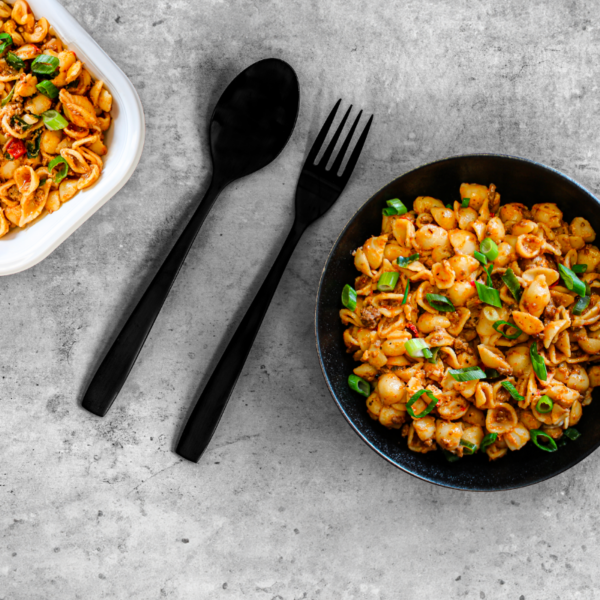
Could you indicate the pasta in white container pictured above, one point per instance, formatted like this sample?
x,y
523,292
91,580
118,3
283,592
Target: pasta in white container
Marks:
x,y
23,248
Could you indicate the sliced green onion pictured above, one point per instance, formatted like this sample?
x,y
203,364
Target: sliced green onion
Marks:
x,y
488,440
572,282
45,64
537,437
572,433
15,62
583,301
405,299
449,206
488,295
404,261
388,280
544,405
450,457
349,297
513,336
480,257
62,172
6,41
488,271
512,283
429,408
8,98
358,384
48,89
427,354
434,352
53,120
389,212
467,374
440,302
580,268
469,448
414,348
491,374
465,202
512,390
539,366
398,205
489,248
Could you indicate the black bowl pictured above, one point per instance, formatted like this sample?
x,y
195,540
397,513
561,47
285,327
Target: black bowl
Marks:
x,y
517,180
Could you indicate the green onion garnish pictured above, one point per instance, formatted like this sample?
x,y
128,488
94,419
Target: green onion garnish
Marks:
x,y
465,202
512,283
8,98
398,206
489,248
429,408
358,384
48,89
480,257
389,212
440,302
537,437
469,448
450,457
572,282
544,405
580,268
488,440
488,271
491,374
62,172
512,390
404,300
45,64
514,336
349,297
539,366
467,374
427,353
387,282
449,206
434,352
15,62
583,301
404,261
488,295
53,120
6,40
572,433
414,348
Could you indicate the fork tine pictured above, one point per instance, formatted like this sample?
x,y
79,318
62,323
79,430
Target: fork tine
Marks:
x,y
310,159
356,152
336,136
340,157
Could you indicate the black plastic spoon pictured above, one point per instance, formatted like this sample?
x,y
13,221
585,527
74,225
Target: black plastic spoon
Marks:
x,y
251,124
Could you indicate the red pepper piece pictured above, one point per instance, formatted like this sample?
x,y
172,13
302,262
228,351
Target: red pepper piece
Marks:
x,y
413,329
16,148
472,283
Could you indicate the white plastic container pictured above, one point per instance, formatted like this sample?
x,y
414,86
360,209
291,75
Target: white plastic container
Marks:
x,y
23,248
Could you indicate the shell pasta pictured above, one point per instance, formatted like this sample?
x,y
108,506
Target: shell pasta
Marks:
x,y
53,117
476,325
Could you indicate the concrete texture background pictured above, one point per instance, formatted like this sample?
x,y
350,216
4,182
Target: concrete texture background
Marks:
x,y
287,503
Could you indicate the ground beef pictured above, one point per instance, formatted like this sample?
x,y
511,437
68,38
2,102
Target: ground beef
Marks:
x,y
370,316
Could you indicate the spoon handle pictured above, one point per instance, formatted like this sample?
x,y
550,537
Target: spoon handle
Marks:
x,y
119,360
210,405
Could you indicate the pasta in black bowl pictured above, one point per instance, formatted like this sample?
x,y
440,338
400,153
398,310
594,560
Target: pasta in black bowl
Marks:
x,y
397,376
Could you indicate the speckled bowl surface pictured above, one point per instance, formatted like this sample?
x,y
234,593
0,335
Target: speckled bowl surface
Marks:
x,y
517,180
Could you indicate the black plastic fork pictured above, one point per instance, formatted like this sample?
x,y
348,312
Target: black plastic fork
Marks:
x,y
318,188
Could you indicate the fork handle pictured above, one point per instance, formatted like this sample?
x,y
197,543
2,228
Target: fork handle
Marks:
x,y
118,362
206,415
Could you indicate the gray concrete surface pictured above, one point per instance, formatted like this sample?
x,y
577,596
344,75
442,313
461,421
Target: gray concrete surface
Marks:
x,y
287,503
